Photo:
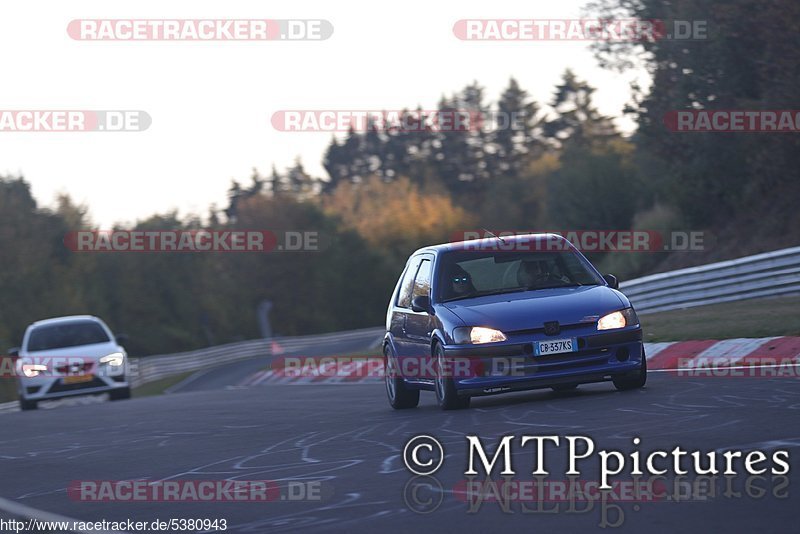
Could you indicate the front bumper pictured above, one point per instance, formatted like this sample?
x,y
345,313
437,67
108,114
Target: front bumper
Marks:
x,y
51,385
512,366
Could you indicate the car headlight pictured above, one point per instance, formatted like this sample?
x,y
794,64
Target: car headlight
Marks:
x,y
33,369
114,359
477,335
617,319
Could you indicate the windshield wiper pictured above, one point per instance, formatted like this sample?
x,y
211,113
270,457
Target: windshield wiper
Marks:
x,y
486,293
572,284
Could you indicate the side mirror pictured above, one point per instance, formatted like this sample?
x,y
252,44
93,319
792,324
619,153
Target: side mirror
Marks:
x,y
611,280
421,303
121,338
13,352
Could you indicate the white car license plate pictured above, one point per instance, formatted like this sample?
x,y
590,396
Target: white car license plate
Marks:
x,y
555,346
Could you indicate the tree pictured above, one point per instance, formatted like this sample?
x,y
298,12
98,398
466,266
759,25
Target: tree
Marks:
x,y
515,138
594,187
396,217
577,121
459,153
298,183
747,60
344,160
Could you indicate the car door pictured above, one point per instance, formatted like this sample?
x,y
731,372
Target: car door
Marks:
x,y
419,325
401,307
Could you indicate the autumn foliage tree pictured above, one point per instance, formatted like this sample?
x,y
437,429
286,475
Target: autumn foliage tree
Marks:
x,y
396,217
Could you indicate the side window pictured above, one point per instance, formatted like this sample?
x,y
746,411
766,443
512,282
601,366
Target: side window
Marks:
x,y
407,285
422,283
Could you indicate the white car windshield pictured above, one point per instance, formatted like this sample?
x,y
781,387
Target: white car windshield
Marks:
x,y
73,334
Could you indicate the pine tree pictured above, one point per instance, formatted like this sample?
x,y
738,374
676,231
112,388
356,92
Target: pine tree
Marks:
x,y
577,120
514,138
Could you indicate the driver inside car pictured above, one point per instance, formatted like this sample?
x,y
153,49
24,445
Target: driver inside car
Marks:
x,y
534,274
460,282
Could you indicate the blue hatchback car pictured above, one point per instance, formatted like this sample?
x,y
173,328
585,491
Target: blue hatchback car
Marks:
x,y
507,314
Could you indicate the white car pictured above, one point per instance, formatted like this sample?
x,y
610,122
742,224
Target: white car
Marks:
x,y
67,356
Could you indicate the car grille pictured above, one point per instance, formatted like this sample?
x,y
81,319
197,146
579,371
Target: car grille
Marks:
x,y
534,331
58,387
558,362
74,368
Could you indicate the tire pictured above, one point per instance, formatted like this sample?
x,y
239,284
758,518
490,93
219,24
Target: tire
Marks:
x,y
446,394
635,381
400,396
120,394
563,388
25,404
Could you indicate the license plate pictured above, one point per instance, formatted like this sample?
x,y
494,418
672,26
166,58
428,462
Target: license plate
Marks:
x,y
555,346
77,379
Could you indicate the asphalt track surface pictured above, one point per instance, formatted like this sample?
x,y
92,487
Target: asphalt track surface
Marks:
x,y
346,439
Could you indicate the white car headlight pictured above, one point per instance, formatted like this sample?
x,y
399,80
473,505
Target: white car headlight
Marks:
x,y
114,359
477,335
617,319
33,369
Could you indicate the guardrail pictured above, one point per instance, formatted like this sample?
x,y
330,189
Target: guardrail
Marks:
x,y
763,275
150,368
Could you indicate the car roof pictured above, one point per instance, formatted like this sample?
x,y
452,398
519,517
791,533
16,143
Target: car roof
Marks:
x,y
66,319
476,243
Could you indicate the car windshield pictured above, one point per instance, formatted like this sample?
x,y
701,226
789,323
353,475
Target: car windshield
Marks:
x,y
59,336
466,274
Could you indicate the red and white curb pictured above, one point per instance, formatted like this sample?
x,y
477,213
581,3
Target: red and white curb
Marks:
x,y
728,352
368,370
660,356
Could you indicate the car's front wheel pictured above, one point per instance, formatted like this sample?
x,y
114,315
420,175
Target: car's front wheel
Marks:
x,y
120,394
400,395
25,404
446,394
634,381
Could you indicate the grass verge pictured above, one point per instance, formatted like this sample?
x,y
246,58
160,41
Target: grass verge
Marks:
x,y
767,317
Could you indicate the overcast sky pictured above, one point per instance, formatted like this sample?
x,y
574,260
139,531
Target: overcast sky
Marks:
x,y
211,102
